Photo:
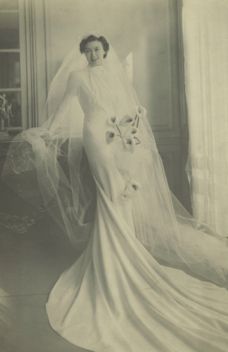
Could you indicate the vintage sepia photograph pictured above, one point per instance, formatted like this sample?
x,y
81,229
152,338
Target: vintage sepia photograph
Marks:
x,y
113,176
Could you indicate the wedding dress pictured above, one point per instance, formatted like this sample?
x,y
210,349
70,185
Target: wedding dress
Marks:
x,y
148,279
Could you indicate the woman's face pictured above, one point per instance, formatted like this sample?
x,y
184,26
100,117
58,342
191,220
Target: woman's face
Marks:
x,y
94,53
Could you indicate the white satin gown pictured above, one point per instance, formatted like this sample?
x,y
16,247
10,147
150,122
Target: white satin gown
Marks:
x,y
117,297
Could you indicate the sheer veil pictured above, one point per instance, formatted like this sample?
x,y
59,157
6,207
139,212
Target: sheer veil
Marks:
x,y
54,151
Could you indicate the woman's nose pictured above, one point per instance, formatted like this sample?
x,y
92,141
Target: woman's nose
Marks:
x,y
93,55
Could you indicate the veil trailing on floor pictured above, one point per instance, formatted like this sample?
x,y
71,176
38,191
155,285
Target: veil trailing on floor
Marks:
x,y
54,151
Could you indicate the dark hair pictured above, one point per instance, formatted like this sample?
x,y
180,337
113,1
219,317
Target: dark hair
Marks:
x,y
92,38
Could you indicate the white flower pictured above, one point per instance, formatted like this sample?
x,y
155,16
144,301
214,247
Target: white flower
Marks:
x,y
126,120
135,185
129,143
140,110
134,130
110,135
130,190
112,121
136,140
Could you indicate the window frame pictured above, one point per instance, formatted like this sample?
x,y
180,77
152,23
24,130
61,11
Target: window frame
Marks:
x,y
33,63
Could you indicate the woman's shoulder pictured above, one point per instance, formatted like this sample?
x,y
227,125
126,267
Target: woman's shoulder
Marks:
x,y
76,79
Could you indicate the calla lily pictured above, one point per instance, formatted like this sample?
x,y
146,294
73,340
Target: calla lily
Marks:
x,y
112,120
135,185
132,186
137,140
126,129
140,110
134,130
110,135
129,143
126,120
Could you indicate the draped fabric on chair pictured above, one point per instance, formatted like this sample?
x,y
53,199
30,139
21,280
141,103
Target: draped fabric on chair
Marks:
x,y
205,36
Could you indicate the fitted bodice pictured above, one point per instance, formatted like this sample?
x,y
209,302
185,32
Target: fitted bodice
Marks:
x,y
99,91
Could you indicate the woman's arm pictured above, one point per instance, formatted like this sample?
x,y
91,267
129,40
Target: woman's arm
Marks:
x,y
73,84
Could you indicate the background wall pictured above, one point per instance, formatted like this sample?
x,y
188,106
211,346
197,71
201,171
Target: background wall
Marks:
x,y
123,22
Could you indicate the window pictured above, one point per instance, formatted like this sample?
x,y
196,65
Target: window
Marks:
x,y
11,105
22,65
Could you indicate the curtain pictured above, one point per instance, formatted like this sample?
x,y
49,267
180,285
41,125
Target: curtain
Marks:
x,y
205,39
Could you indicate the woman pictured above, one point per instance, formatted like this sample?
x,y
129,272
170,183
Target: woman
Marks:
x,y
117,296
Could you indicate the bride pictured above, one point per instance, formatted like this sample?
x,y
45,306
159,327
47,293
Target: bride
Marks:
x,y
149,279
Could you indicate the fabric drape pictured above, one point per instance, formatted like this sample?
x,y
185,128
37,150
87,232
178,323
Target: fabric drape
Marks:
x,y
205,29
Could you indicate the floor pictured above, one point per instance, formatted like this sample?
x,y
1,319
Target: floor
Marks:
x,y
29,265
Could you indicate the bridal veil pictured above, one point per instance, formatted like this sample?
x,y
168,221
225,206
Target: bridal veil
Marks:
x,y
54,151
